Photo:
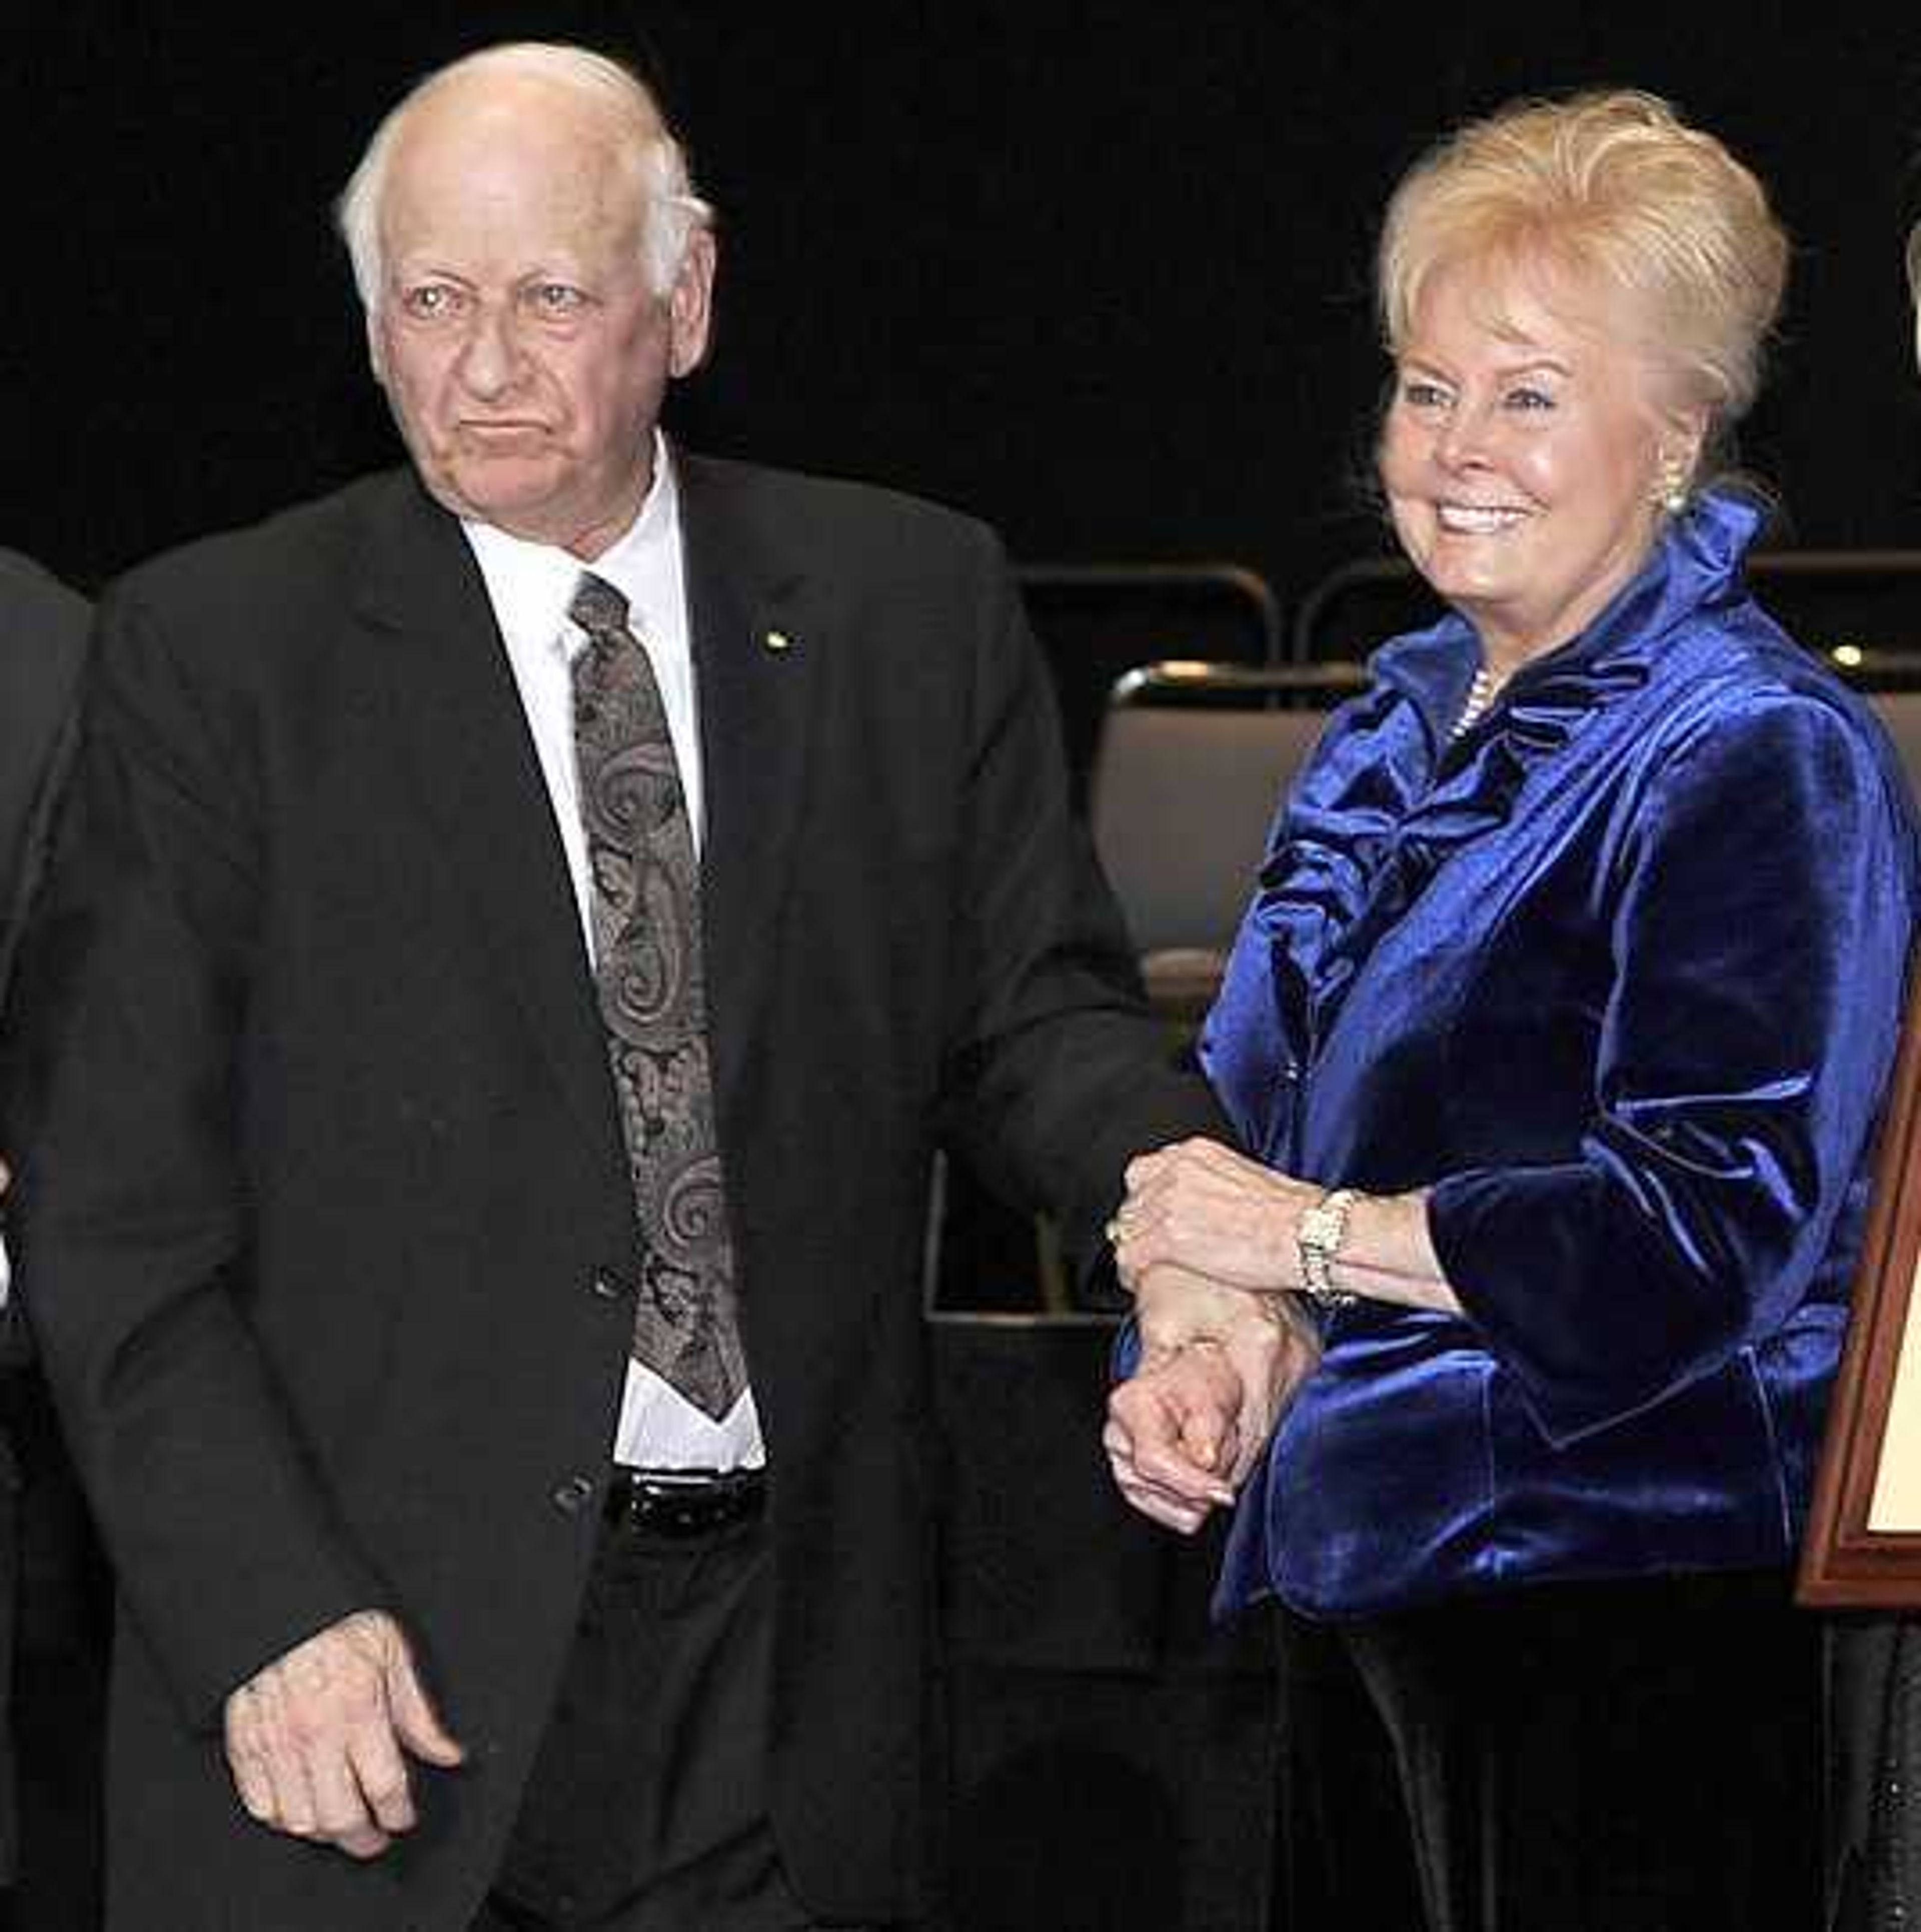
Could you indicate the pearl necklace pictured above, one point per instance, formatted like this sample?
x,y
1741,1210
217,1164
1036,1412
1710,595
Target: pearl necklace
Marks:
x,y
1480,694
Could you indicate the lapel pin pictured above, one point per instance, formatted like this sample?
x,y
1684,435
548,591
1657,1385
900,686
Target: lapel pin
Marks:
x,y
777,641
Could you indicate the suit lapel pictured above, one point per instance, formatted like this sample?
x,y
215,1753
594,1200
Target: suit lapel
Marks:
x,y
456,712
756,660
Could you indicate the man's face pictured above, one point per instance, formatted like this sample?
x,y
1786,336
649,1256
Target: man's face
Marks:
x,y
521,347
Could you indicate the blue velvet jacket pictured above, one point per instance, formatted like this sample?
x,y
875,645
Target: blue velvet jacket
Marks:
x,y
1617,976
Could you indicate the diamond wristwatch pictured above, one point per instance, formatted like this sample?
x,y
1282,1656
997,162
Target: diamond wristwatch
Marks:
x,y
1317,1239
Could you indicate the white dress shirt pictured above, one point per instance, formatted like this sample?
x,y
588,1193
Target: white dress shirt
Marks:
x,y
530,586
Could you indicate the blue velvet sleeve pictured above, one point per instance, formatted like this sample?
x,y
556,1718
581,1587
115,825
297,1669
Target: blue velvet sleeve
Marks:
x,y
1758,901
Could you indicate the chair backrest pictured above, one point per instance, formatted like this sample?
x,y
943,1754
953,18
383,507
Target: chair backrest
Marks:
x,y
1181,803
1192,762
1096,621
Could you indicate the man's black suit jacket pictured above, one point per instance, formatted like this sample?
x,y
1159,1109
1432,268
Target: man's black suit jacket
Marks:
x,y
43,639
328,1228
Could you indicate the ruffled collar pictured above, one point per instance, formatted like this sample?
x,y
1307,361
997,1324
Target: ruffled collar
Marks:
x,y
1378,814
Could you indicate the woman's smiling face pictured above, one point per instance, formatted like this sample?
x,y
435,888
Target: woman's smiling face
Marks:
x,y
1522,456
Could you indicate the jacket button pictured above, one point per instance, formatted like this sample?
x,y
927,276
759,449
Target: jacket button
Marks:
x,y
573,1495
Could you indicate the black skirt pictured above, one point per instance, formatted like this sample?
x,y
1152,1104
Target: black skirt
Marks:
x,y
1642,1756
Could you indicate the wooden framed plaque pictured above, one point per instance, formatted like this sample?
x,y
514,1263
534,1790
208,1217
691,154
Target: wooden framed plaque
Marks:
x,y
1863,1545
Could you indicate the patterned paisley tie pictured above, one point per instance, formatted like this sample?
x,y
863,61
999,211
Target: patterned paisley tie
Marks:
x,y
647,970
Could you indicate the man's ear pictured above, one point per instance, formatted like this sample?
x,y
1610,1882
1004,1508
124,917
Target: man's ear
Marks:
x,y
690,305
376,353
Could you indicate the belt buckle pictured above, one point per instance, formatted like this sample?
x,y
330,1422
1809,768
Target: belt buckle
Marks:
x,y
678,1503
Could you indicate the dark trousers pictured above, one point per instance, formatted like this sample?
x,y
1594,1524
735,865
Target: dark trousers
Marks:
x,y
1635,1756
647,1809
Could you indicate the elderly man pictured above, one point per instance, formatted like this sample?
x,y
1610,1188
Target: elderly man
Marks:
x,y
532,916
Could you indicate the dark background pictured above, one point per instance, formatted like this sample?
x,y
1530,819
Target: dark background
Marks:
x,y
1096,273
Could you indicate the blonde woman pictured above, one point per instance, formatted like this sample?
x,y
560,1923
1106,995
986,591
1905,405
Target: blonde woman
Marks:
x,y
1559,1025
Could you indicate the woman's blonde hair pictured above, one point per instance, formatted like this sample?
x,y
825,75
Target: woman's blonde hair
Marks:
x,y
1612,191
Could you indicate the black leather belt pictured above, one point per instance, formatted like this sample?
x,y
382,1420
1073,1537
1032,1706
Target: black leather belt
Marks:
x,y
692,1502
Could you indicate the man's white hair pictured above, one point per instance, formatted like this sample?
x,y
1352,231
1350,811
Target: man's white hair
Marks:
x,y
670,211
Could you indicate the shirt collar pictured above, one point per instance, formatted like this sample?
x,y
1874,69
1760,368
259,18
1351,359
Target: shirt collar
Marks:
x,y
531,584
